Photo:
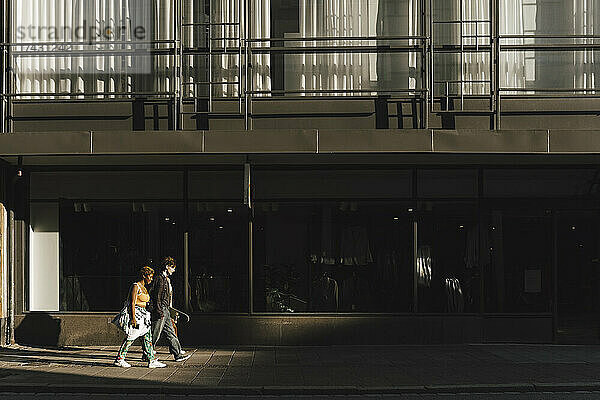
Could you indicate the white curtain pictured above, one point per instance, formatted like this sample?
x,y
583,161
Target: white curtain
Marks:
x,y
475,73
260,28
56,21
512,63
334,71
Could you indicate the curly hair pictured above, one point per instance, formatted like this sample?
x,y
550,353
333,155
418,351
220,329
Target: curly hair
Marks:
x,y
167,262
144,272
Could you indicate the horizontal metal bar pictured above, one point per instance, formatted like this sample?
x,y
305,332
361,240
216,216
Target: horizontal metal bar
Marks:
x,y
210,83
220,113
471,48
333,91
549,47
549,90
336,49
466,21
210,23
340,98
465,81
330,38
549,36
206,50
89,53
552,96
94,43
62,94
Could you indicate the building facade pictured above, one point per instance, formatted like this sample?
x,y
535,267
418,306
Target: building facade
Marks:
x,y
323,171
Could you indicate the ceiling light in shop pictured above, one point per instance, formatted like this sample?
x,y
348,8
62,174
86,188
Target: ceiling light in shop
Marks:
x,y
167,219
572,228
230,210
410,210
211,219
220,227
461,227
396,218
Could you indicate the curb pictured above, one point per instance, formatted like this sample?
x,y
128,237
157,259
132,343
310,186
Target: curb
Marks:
x,y
298,390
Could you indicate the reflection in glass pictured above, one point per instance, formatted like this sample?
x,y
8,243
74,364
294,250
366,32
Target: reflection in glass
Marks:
x,y
448,261
218,264
83,47
519,275
332,257
105,243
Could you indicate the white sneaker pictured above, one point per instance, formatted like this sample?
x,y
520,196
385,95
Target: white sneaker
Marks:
x,y
122,363
156,364
182,352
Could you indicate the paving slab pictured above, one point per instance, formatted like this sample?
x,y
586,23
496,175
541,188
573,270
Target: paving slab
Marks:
x,y
336,370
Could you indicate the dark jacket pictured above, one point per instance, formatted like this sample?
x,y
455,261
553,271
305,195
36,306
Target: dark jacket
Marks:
x,y
159,296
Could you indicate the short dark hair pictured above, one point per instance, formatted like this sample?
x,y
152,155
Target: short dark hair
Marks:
x,y
167,262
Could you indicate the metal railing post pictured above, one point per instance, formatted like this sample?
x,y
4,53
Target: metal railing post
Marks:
x,y
495,64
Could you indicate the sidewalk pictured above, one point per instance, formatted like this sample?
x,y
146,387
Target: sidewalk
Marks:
x,y
307,370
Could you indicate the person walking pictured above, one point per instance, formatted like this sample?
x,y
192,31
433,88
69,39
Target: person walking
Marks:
x,y
162,298
140,321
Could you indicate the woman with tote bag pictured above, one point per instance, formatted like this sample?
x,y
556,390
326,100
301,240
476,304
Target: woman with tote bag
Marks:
x,y
134,319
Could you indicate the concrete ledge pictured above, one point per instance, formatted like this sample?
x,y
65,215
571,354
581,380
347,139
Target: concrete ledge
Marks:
x,y
57,143
375,141
147,142
300,141
562,141
486,141
261,141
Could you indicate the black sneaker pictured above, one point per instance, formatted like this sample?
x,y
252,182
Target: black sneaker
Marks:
x,y
182,357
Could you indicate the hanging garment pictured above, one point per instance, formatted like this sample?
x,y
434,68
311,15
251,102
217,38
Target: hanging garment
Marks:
x,y
424,266
454,296
325,294
354,246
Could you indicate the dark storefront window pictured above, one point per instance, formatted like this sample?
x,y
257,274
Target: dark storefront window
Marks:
x,y
342,253
518,276
448,255
520,206
105,243
218,242
91,231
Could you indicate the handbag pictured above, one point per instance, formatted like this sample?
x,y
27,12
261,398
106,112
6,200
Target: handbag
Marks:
x,y
121,320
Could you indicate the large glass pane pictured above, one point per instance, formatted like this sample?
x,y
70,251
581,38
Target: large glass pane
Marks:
x,y
71,47
333,241
218,246
459,70
218,242
91,231
350,256
535,29
349,47
519,275
105,243
448,258
578,276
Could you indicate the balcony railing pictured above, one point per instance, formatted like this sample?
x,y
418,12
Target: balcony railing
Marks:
x,y
443,66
